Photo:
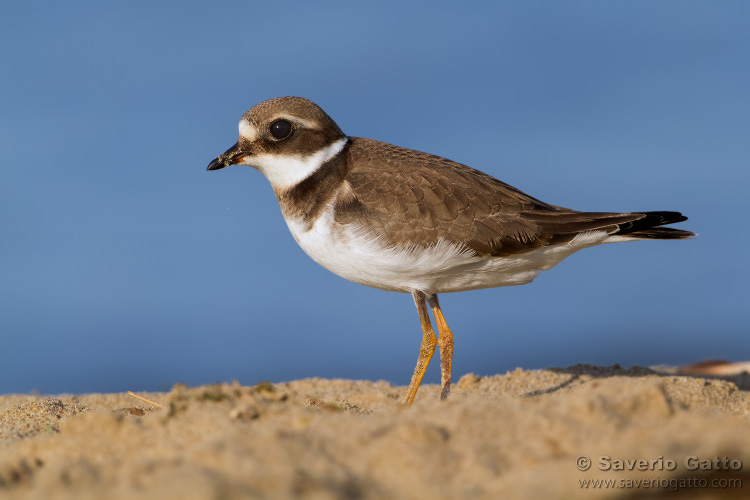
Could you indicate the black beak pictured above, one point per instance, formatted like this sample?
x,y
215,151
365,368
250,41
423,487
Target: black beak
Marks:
x,y
229,157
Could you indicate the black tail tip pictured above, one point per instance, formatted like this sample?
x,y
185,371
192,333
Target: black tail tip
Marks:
x,y
649,227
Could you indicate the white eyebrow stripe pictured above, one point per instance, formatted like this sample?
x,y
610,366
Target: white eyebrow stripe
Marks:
x,y
304,123
295,119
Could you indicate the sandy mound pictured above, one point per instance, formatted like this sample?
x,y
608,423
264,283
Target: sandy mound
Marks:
x,y
526,434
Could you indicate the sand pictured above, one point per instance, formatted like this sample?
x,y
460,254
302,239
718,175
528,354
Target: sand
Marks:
x,y
519,435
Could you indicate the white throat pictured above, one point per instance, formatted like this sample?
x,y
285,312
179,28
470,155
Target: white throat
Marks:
x,y
286,171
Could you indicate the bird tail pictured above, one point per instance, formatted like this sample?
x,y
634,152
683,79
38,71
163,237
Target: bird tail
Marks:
x,y
649,227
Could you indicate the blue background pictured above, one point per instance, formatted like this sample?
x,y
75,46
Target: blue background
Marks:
x,y
125,265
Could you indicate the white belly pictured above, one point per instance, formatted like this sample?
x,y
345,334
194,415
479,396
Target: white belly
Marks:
x,y
362,257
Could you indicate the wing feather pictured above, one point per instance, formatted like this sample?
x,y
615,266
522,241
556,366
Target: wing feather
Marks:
x,y
404,195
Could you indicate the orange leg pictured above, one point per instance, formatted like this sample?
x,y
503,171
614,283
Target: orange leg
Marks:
x,y
426,350
445,341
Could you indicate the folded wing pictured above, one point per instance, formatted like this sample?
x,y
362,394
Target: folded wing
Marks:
x,y
438,198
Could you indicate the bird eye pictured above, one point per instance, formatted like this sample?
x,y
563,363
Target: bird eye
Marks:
x,y
281,129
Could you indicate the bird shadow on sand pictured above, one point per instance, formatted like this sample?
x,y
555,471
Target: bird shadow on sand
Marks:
x,y
585,372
